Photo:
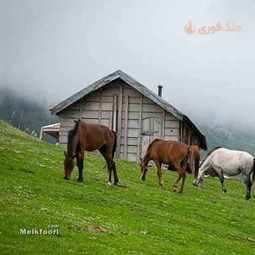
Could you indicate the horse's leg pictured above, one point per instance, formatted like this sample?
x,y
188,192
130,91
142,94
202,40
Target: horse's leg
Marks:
x,y
159,173
115,175
109,172
112,169
174,187
80,159
102,150
182,175
252,189
248,184
220,175
110,164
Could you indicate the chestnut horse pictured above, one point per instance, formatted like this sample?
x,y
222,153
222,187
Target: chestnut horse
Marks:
x,y
89,137
170,153
193,161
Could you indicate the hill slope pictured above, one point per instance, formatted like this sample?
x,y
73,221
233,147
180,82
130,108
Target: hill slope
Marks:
x,y
93,218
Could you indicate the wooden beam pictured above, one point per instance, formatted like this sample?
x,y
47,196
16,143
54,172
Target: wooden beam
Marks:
x,y
120,98
100,108
139,144
190,140
80,111
126,128
163,124
114,113
180,131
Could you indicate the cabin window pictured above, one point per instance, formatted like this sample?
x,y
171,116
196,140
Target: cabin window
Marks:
x,y
151,126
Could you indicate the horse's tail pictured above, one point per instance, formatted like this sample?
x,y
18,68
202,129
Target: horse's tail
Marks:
x,y
188,159
197,162
114,143
196,159
71,147
252,174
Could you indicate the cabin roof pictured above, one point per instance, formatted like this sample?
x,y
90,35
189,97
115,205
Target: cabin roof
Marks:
x,y
52,126
136,85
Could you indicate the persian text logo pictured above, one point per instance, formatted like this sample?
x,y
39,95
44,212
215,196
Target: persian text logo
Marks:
x,y
50,230
190,28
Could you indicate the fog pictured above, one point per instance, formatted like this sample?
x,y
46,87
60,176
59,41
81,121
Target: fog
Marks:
x,y
50,49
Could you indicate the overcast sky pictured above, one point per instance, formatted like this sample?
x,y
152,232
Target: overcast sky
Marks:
x,y
52,48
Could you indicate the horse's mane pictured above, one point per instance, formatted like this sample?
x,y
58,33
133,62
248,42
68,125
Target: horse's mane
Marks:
x,y
209,153
70,139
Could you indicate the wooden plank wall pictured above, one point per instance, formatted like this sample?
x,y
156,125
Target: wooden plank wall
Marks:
x,y
188,136
130,124
136,108
172,128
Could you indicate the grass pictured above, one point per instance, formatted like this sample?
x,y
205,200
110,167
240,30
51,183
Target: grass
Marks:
x,y
94,218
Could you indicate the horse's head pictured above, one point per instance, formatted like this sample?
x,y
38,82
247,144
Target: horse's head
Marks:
x,y
144,168
68,166
198,181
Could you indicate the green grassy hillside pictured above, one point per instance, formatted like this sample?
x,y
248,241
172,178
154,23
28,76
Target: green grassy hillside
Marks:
x,y
93,218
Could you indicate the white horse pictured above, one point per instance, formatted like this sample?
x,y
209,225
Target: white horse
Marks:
x,y
225,163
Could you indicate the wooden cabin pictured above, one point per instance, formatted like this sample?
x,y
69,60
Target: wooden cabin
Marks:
x,y
137,114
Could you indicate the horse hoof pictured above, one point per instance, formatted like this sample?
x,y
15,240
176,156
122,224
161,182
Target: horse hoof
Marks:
x,y
79,180
247,197
224,190
109,183
66,178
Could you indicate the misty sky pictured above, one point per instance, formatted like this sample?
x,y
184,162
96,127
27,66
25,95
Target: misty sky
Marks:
x,y
50,49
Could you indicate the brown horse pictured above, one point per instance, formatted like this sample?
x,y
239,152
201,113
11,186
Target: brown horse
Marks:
x,y
89,137
193,161
167,152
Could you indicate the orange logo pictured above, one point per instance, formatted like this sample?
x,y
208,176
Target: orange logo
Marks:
x,y
190,28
